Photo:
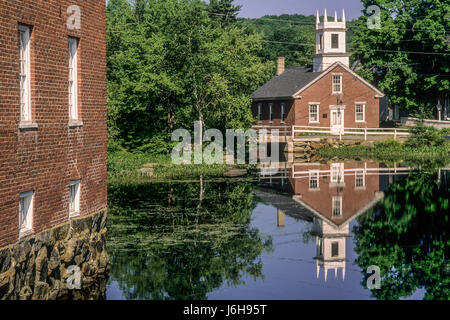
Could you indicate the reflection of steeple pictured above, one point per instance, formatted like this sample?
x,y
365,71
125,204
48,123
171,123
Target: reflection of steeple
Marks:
x,y
330,246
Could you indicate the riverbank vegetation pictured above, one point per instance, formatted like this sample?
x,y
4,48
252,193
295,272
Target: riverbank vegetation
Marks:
x,y
425,144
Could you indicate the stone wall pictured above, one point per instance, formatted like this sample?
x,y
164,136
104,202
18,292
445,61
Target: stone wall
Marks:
x,y
36,267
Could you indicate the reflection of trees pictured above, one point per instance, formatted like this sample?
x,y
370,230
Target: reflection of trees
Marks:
x,y
164,245
407,236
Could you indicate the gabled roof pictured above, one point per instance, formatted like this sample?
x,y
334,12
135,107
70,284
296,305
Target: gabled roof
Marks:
x,y
293,81
286,84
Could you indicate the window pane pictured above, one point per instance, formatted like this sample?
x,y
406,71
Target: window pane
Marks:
x,y
335,249
335,41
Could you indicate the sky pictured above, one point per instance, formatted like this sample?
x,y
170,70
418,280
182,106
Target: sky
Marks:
x,y
259,8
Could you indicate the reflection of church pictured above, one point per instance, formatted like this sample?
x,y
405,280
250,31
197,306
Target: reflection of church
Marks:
x,y
330,196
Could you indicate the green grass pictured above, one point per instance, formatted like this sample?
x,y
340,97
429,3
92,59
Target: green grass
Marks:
x,y
124,167
389,151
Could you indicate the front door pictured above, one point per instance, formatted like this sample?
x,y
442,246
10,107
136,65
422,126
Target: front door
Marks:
x,y
337,121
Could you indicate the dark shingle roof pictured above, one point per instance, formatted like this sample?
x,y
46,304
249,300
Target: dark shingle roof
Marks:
x,y
286,84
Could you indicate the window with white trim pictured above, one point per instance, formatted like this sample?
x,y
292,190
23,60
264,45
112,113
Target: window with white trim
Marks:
x,y
337,206
259,112
26,212
360,111
24,73
360,179
334,249
335,41
283,112
270,112
74,198
313,113
313,180
337,83
73,79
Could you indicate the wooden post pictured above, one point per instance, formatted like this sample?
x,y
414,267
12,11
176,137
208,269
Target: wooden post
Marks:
x,y
293,134
395,134
365,134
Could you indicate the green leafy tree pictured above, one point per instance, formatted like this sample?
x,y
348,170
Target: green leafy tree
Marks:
x,y
408,56
407,236
223,10
169,64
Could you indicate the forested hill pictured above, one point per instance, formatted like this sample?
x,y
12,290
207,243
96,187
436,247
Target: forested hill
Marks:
x,y
289,35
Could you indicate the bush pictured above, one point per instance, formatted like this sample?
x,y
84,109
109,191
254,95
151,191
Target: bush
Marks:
x,y
425,137
388,144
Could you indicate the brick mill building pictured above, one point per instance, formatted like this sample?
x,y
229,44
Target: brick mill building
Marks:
x,y
326,94
52,114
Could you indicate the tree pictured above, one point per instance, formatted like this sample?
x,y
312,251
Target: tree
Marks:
x,y
223,10
169,64
408,56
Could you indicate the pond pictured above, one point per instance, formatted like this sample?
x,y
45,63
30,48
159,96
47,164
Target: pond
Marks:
x,y
304,231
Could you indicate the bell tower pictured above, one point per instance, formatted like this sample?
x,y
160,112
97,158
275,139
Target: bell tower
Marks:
x,y
330,42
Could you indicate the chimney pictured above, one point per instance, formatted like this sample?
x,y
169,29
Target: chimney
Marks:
x,y
280,65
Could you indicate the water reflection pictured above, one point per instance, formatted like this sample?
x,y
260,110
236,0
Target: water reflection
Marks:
x,y
310,231
182,240
402,216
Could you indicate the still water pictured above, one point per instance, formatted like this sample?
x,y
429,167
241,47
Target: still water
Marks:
x,y
307,231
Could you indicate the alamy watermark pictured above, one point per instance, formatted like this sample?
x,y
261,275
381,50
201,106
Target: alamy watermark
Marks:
x,y
74,19
74,279
374,280
374,19
190,150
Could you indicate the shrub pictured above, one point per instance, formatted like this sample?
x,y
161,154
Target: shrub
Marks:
x,y
425,137
388,144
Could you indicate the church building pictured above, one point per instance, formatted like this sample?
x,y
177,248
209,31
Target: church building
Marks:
x,y
326,94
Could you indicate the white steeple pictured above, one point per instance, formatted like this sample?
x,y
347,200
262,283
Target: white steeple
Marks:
x,y
330,42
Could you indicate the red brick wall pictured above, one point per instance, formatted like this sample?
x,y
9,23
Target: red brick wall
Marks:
x,y
47,158
353,91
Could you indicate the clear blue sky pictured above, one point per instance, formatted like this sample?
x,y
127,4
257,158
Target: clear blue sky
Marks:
x,y
258,8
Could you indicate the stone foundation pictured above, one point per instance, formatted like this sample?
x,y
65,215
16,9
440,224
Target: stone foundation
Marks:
x,y
36,266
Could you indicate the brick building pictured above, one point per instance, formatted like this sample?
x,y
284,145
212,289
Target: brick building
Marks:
x,y
326,94
52,114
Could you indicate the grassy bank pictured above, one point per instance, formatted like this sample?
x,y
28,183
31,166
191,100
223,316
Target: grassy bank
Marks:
x,y
124,167
386,152
426,144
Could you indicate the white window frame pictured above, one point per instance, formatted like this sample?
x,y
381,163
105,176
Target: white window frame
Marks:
x,y
363,104
73,79
360,174
334,207
259,112
26,211
25,73
283,114
316,104
333,77
314,174
270,112
74,198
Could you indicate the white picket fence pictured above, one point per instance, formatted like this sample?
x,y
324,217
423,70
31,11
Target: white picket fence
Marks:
x,y
395,132
294,131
